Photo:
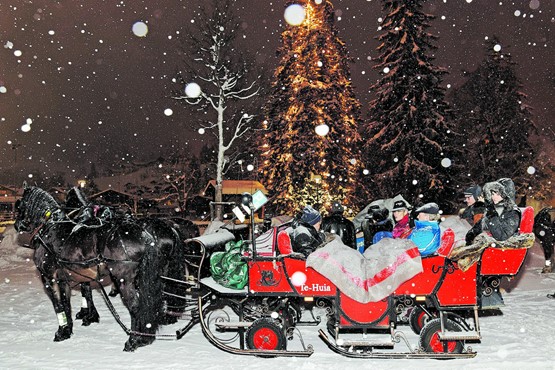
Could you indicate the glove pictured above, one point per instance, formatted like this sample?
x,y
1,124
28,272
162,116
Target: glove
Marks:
x,y
490,211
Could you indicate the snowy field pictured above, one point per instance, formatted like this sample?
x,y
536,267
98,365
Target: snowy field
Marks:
x,y
523,337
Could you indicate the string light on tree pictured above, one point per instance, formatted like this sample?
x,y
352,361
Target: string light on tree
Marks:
x,y
322,130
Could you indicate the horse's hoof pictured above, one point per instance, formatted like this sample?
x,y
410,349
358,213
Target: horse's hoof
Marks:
x,y
81,314
87,320
135,342
113,292
547,269
63,333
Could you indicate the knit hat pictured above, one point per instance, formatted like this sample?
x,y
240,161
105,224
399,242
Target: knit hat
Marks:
x,y
399,205
310,216
429,208
474,190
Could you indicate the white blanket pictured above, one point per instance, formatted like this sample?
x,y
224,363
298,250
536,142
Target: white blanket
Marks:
x,y
368,277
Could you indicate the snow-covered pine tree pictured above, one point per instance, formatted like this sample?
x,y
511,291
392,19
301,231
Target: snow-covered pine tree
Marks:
x,y
217,77
410,148
491,110
311,88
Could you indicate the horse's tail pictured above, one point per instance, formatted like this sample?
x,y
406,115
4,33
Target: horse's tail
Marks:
x,y
150,287
173,266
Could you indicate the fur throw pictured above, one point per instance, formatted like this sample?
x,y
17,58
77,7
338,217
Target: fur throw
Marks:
x,y
468,255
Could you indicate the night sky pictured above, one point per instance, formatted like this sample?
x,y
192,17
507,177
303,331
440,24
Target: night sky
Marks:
x,y
93,91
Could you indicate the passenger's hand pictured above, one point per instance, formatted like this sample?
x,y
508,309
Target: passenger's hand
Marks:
x,y
490,211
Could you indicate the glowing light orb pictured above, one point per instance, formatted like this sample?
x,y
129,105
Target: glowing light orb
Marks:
x,y
3,89
386,70
192,90
298,278
140,29
365,172
446,162
322,130
168,112
531,170
534,4
414,182
497,48
294,14
201,131
250,167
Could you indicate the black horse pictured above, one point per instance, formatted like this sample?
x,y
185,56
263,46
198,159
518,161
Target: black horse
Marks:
x,y
544,229
124,250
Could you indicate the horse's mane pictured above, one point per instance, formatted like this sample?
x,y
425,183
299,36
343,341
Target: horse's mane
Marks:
x,y
38,202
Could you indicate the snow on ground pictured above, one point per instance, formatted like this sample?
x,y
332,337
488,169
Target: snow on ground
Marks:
x,y
522,337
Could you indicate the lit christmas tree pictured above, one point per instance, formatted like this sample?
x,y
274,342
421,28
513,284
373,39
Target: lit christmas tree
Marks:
x,y
410,148
309,152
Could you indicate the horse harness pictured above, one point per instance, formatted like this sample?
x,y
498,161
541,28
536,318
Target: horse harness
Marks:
x,y
97,261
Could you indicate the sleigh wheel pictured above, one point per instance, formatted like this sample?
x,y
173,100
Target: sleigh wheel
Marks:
x,y
418,318
429,337
265,334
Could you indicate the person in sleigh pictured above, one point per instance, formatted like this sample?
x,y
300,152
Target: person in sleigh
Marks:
x,y
498,228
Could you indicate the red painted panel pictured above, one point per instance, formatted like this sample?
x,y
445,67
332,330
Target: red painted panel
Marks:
x,y
363,313
268,277
425,282
458,288
306,281
498,261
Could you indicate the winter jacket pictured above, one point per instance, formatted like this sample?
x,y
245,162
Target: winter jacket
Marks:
x,y
426,236
402,229
473,213
339,225
375,222
500,220
305,238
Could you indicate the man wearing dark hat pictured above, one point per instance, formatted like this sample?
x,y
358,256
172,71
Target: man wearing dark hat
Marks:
x,y
305,232
426,232
475,205
338,224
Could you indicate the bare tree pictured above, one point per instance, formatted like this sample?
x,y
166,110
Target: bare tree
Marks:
x,y
217,77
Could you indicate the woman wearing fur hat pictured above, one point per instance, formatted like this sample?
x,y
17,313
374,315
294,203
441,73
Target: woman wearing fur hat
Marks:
x,y
502,217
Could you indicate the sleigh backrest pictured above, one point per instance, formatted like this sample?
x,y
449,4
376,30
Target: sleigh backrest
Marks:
x,y
499,261
526,220
447,242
